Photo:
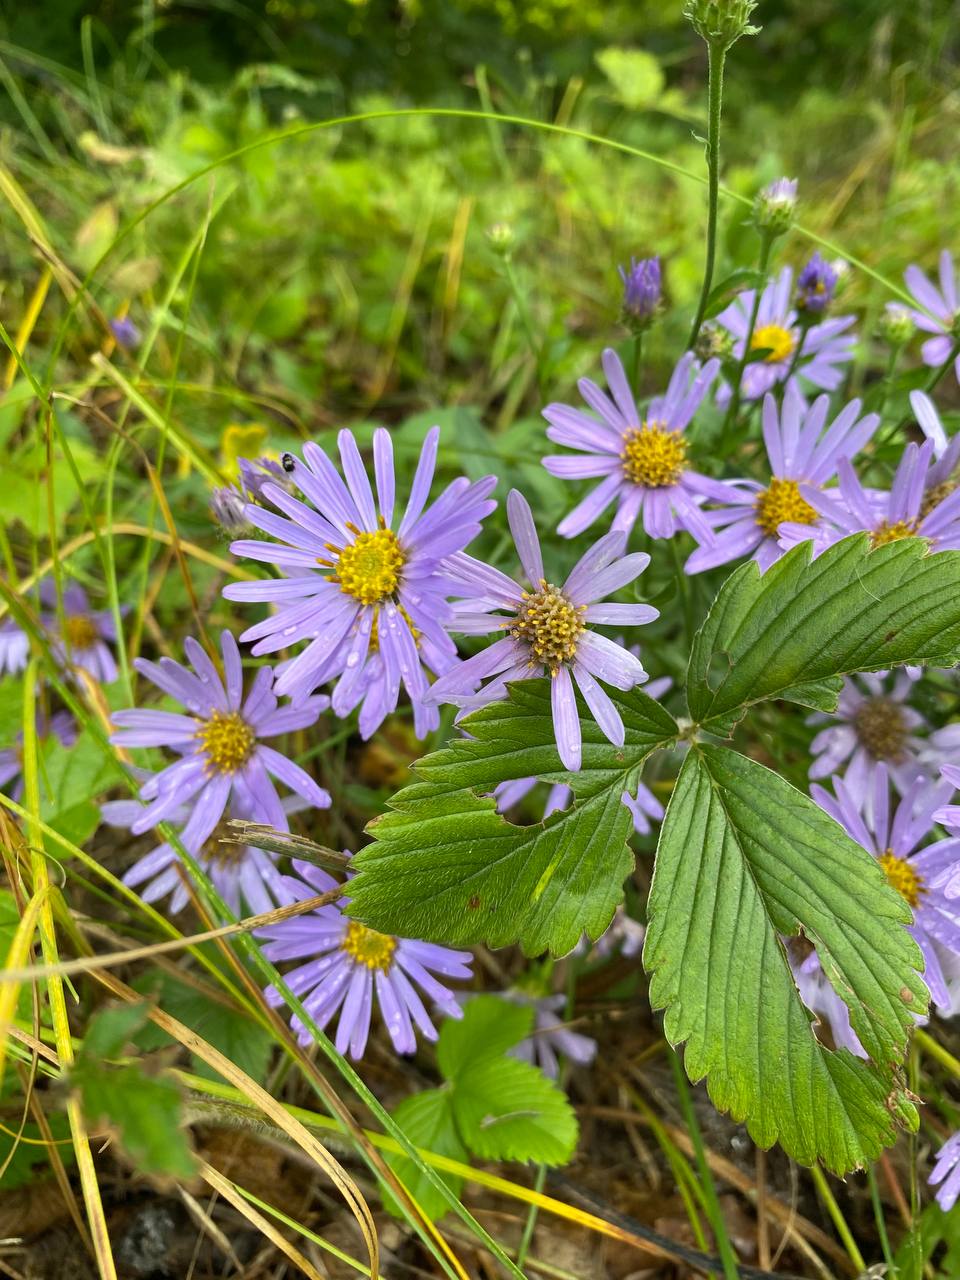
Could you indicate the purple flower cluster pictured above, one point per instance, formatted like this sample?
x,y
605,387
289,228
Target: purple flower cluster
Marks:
x,y
780,348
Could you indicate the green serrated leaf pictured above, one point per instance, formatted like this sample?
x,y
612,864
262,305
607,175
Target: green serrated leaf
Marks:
x,y
787,633
447,867
143,1111
427,1120
111,1030
508,1110
70,778
248,1045
744,858
489,1027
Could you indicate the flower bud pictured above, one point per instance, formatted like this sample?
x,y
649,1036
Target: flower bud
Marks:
x,y
641,292
228,509
896,325
501,237
713,341
774,206
816,285
125,332
721,22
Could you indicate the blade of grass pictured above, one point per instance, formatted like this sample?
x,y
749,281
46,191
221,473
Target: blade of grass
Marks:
x,y
58,1009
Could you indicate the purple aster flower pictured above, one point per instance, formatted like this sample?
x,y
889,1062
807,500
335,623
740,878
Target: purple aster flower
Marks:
x,y
914,868
61,725
816,285
642,462
548,631
223,761
241,874
372,601
643,806
623,933
946,1173
939,482
641,291
802,449
910,510
551,1036
350,966
14,648
125,332
873,731
820,998
941,310
86,632
822,347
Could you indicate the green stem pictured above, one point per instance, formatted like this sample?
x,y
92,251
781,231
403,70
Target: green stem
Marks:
x,y
880,1221
766,245
524,314
711,1202
839,1221
529,1226
637,361
716,57
683,584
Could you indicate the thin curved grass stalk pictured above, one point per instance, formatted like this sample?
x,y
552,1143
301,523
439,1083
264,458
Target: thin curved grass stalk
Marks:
x,y
298,131
262,1100
344,1121
133,530
58,1009
224,1187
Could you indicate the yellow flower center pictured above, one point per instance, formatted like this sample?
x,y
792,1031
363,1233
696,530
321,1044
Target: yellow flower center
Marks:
x,y
550,625
885,532
80,631
367,947
375,629
782,501
903,878
369,567
882,728
652,456
778,342
227,740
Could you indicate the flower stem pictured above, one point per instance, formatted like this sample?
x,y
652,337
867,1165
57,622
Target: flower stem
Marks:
x,y
524,314
716,57
637,362
839,1221
766,244
711,1202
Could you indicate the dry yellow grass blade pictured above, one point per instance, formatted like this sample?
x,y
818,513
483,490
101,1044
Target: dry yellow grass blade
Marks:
x,y
27,325
16,960
266,1228
126,527
32,857
272,1109
10,976
444,1164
